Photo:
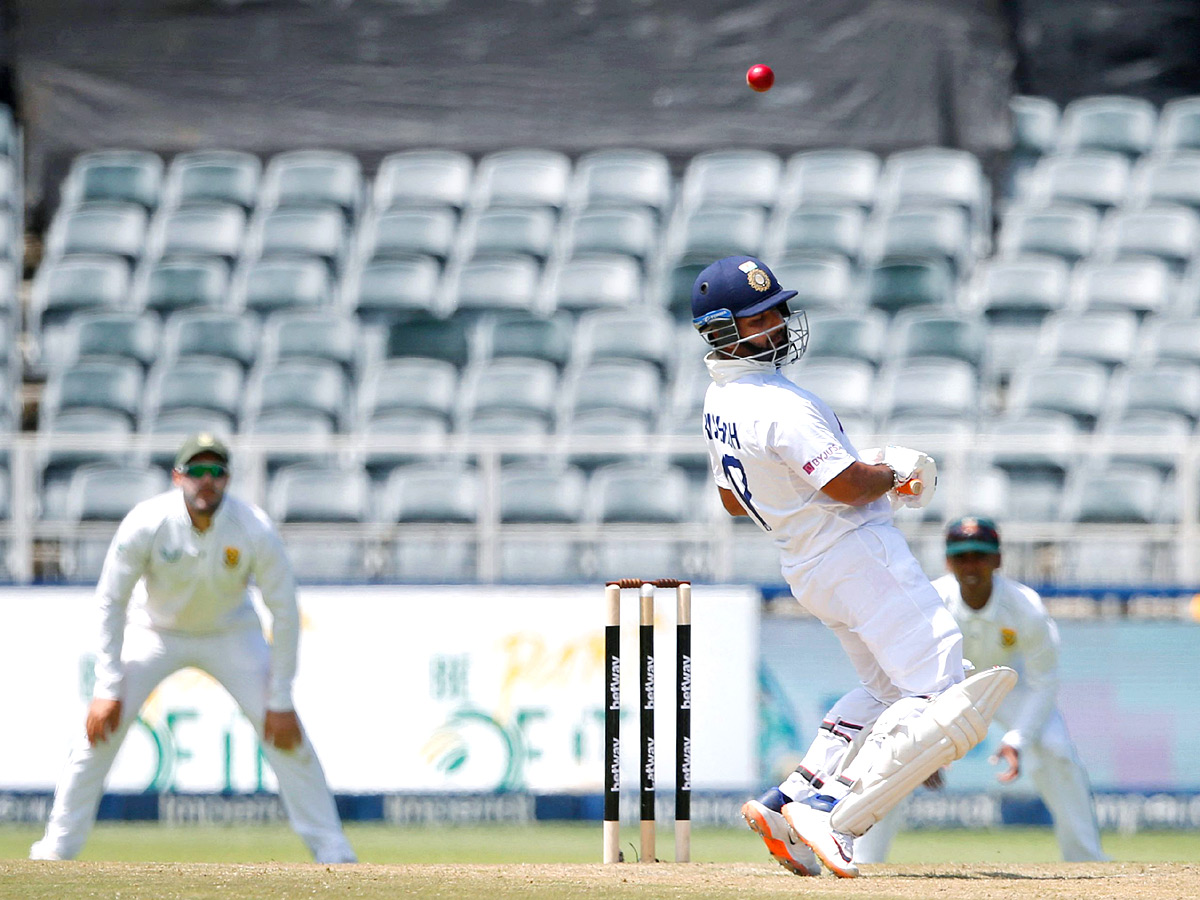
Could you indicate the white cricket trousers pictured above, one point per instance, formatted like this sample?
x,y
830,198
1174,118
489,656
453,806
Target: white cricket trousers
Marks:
x,y
239,661
1061,780
902,641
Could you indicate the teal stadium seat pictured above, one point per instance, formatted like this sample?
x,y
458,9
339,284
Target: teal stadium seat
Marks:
x,y
113,384
423,178
1108,337
845,335
630,386
494,283
731,179
522,177
1020,290
213,176
1142,285
525,335
818,230
1096,178
427,338
1078,388
939,176
265,286
630,232
509,230
229,335
392,289
299,233
124,176
427,386
108,228
938,333
1169,233
1067,231
711,232
928,386
594,281
1178,126
305,434
939,232
207,384
626,334
1121,124
402,233
836,177
320,335
1160,387
622,178
170,285
822,282
64,287
1172,178
898,283
208,229
509,385
314,493
122,335
313,178
297,384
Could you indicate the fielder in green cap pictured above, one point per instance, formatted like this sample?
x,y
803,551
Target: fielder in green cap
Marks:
x,y
195,552
1005,624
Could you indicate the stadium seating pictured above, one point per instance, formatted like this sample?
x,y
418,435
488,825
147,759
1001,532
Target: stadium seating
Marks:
x,y
213,176
531,308
423,178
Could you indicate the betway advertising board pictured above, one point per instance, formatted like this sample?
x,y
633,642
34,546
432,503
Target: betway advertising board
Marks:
x,y
404,689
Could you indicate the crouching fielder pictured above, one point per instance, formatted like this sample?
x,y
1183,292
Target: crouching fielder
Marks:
x,y
192,552
779,456
1004,623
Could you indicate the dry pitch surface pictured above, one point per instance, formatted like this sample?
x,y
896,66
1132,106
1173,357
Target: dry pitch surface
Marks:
x,y
198,881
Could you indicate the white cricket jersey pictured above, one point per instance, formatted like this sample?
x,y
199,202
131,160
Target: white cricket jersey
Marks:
x,y
193,582
1013,629
775,445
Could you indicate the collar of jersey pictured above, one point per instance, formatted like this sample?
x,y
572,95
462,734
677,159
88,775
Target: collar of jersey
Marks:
x,y
725,370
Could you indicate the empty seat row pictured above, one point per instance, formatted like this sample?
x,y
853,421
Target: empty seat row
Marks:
x,y
1122,124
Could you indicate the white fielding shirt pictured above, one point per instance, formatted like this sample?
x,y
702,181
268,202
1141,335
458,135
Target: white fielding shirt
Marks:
x,y
775,445
1013,629
189,582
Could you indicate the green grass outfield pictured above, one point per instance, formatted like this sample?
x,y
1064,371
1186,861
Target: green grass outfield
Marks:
x,y
567,842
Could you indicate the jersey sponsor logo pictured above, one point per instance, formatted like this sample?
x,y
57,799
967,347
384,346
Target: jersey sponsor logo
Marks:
x,y
827,453
1008,637
168,555
232,555
718,430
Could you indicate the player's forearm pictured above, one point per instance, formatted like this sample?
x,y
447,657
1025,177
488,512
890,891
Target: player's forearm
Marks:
x,y
116,585
860,483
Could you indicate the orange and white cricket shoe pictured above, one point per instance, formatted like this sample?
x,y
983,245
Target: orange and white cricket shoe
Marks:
x,y
782,843
833,848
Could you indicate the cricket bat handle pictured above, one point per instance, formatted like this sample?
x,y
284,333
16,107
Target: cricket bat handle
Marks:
x,y
912,487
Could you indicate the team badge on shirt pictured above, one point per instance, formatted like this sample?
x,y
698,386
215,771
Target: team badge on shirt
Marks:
x,y
1008,637
232,555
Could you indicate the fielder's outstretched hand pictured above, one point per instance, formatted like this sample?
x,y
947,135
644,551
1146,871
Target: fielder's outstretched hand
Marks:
x,y
103,717
282,728
1011,756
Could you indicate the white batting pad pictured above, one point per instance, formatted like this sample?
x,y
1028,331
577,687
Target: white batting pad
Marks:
x,y
917,746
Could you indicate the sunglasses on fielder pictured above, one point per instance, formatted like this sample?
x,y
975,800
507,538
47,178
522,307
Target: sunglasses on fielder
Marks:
x,y
199,470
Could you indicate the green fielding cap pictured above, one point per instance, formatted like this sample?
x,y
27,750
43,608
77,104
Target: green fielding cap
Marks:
x,y
972,534
203,442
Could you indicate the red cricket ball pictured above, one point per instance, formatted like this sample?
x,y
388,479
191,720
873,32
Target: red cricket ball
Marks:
x,y
760,77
